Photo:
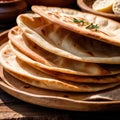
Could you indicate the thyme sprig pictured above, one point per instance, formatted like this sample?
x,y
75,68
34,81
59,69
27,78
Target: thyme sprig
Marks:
x,y
92,26
89,25
82,22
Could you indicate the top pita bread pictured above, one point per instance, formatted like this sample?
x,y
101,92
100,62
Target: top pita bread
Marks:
x,y
65,43
108,29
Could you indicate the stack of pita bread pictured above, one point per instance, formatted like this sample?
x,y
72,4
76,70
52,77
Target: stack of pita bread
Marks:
x,y
48,49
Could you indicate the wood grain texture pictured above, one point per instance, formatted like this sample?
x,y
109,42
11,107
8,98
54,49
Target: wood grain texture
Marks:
x,y
14,109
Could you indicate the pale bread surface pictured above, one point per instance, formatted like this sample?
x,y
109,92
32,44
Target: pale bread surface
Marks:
x,y
108,29
26,73
65,43
38,54
70,76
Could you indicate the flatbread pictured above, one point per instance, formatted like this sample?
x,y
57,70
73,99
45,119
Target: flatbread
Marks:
x,y
17,38
38,54
26,73
64,74
108,29
62,42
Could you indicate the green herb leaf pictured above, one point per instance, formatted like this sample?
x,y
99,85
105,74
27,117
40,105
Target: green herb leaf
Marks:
x,y
79,21
87,24
92,26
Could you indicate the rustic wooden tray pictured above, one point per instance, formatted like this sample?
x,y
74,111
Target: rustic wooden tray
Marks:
x,y
49,98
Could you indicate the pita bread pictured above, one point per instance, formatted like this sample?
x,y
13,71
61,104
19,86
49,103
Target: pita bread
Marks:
x,y
26,73
108,29
38,54
65,43
17,38
64,74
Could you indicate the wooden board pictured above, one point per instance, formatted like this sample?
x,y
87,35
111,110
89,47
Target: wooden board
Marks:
x,y
52,99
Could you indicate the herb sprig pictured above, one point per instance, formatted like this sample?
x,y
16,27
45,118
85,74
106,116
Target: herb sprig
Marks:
x,y
92,26
84,23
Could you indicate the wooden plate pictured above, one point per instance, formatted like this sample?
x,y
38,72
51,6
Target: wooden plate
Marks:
x,y
48,98
86,5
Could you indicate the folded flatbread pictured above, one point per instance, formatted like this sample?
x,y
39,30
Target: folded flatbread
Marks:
x,y
64,73
26,73
65,43
83,23
38,54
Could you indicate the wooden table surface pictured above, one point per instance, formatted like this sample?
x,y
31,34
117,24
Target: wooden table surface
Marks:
x,y
12,109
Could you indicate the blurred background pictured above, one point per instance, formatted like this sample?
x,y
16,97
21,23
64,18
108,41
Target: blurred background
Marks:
x,y
10,9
